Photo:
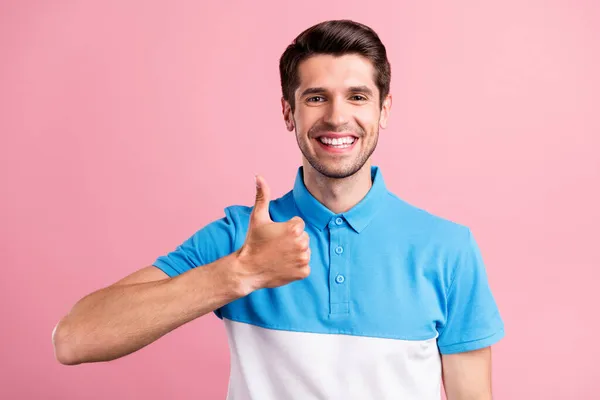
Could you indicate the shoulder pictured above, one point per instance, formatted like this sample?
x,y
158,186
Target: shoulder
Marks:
x,y
446,244
425,226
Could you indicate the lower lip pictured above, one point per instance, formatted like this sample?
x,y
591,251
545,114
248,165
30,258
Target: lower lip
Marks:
x,y
337,150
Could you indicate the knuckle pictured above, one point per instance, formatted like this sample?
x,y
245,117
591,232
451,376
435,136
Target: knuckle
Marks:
x,y
304,271
298,221
302,244
295,230
304,257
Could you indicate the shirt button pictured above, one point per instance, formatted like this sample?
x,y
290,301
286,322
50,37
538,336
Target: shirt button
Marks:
x,y
339,221
340,279
339,249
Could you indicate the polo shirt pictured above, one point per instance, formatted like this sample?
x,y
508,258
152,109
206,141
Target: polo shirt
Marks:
x,y
391,288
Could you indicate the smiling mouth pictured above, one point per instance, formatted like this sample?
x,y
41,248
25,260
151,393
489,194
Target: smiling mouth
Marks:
x,y
338,143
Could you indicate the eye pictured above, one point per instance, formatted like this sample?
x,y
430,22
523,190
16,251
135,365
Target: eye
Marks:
x,y
358,97
315,99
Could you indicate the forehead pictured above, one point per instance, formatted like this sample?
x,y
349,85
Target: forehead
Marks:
x,y
336,72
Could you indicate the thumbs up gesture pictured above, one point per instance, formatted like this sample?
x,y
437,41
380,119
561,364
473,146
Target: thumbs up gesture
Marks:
x,y
274,253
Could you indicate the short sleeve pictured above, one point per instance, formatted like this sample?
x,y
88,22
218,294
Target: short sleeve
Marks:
x,y
473,320
205,246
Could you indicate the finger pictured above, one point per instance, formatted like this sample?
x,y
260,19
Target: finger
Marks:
x,y
260,212
297,225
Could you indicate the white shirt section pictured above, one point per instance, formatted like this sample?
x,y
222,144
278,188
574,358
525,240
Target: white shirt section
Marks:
x,y
269,364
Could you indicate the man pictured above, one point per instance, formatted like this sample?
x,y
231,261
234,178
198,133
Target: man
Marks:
x,y
337,290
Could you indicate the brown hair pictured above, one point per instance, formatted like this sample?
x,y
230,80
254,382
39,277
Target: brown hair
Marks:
x,y
337,37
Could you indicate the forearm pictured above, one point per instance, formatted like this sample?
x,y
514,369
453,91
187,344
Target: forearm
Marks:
x,y
118,320
467,375
468,395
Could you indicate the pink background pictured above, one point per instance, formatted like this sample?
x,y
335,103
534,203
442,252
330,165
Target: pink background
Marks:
x,y
126,126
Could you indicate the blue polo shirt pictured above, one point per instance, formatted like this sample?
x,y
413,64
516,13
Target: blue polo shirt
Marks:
x,y
391,288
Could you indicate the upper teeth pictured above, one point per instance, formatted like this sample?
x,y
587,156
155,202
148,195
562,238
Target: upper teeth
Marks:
x,y
344,140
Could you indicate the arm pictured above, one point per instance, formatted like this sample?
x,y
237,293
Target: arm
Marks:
x,y
472,325
467,375
132,313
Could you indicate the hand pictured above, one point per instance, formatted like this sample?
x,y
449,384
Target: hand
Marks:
x,y
274,253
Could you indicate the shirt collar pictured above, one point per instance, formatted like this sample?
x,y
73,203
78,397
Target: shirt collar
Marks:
x,y
359,216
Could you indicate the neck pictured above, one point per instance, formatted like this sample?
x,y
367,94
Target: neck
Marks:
x,y
338,195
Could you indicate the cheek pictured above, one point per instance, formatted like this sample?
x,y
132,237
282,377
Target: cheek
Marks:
x,y
300,130
367,119
304,122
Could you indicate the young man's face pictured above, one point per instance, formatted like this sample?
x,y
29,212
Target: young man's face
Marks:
x,y
337,113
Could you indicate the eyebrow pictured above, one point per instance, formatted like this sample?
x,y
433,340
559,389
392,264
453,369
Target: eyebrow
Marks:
x,y
353,89
361,89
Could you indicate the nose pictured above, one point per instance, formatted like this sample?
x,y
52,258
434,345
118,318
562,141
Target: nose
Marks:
x,y
336,113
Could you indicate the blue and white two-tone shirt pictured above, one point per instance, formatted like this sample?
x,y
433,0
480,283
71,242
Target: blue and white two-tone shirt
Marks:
x,y
391,288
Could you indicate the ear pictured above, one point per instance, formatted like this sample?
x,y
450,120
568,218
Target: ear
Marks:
x,y
385,111
287,114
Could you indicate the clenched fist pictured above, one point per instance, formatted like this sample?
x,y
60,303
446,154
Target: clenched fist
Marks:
x,y
274,253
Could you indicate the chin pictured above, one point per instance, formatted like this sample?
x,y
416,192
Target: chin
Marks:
x,y
329,167
336,172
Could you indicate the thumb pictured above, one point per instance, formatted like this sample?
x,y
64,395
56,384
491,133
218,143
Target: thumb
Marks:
x,y
260,213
